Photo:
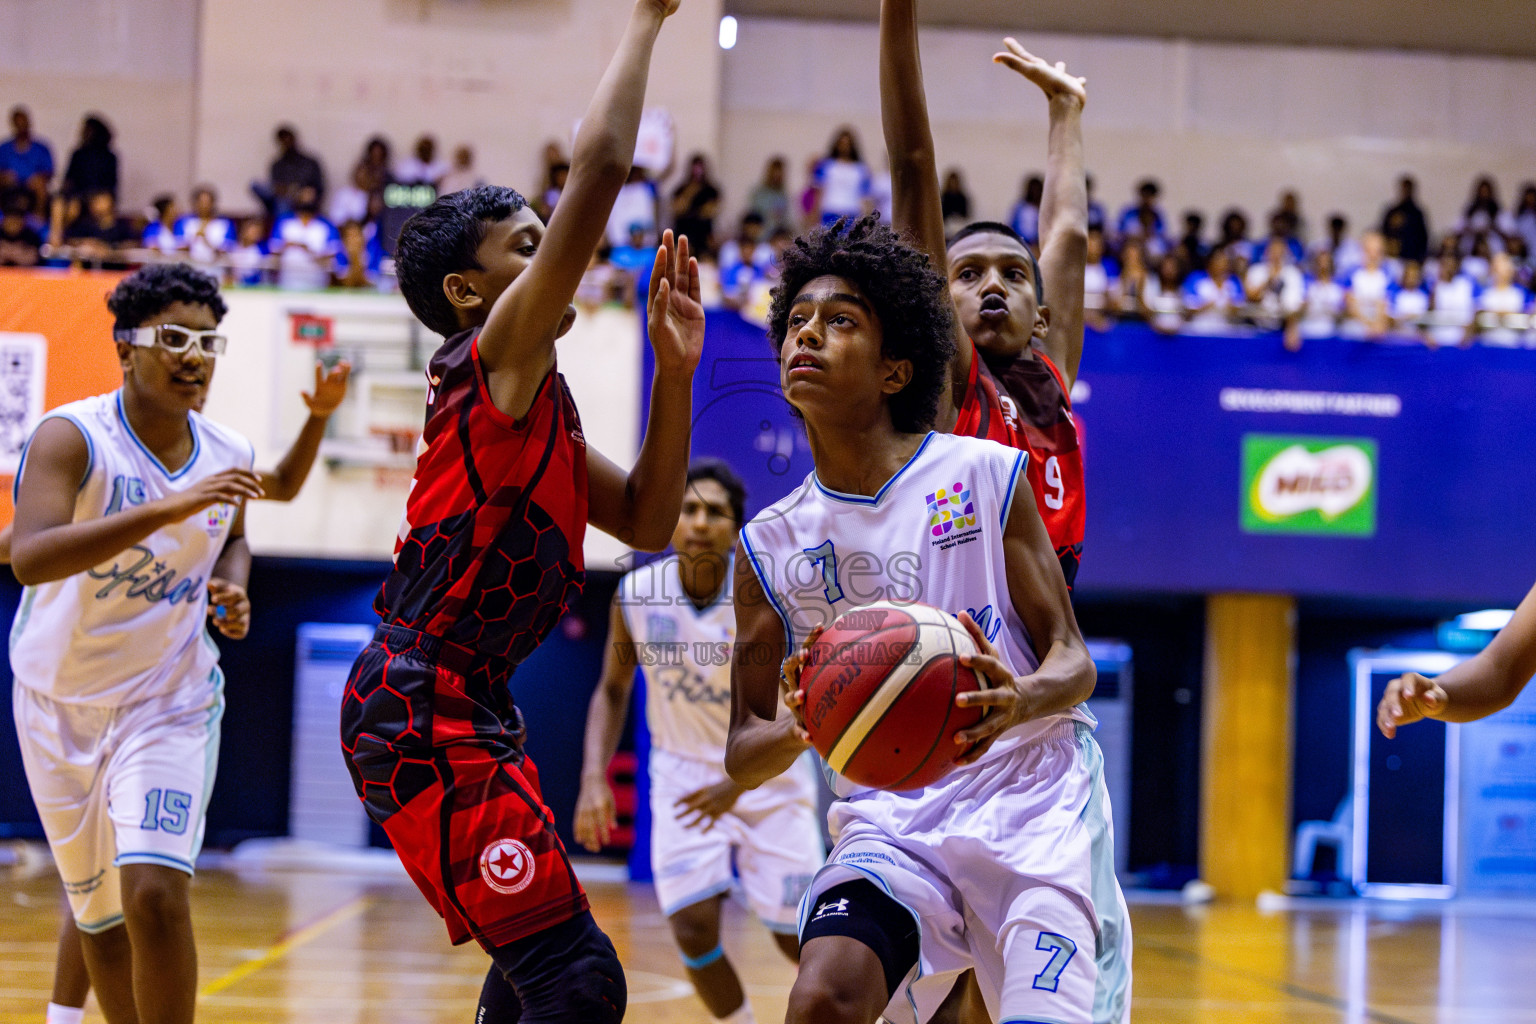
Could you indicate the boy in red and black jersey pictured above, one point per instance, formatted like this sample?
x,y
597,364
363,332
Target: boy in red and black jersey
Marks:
x,y
490,555
1016,359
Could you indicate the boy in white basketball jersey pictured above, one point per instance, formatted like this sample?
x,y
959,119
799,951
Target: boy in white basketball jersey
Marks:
x,y
71,983
1005,865
675,620
128,534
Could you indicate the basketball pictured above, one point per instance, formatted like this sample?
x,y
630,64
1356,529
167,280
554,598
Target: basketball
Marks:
x,y
880,687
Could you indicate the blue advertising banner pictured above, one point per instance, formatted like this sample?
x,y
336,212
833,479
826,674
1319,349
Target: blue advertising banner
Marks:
x,y
1347,469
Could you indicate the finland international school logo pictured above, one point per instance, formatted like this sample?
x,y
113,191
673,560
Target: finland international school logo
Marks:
x,y
952,516
507,866
219,517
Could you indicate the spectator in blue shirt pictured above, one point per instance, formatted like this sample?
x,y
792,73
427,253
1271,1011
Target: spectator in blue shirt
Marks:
x,y
160,233
1025,218
842,181
637,257
744,260
204,235
1097,218
26,162
361,257
1143,219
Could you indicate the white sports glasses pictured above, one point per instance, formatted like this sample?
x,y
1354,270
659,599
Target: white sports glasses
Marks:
x,y
173,338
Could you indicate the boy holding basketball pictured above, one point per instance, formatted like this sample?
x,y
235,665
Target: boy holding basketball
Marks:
x,y
1004,865
489,556
1015,358
674,619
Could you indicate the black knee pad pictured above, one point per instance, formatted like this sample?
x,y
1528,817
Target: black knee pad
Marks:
x,y
860,911
566,973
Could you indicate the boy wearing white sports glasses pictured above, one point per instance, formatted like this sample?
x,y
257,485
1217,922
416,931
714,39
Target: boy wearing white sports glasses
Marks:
x,y
129,527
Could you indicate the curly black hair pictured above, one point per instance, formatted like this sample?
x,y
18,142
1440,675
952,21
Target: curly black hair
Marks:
x,y
152,289
909,297
444,239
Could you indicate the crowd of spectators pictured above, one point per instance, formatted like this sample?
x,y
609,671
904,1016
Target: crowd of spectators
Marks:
x,y
1396,280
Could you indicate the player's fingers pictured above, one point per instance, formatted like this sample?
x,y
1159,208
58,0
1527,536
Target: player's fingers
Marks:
x,y
995,697
680,264
989,666
993,723
695,289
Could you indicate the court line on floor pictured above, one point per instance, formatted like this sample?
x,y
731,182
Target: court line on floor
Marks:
x,y
1289,988
287,944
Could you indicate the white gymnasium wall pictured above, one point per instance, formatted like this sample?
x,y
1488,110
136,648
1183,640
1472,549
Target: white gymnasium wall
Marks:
x,y
131,60
504,75
1218,124
352,510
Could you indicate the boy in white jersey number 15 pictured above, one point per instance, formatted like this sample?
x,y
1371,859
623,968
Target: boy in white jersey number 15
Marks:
x,y
674,619
1004,865
129,524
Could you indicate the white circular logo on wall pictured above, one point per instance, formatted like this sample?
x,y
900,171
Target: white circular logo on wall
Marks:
x,y
507,866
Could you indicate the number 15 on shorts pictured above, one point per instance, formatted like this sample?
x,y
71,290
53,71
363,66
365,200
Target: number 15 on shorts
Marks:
x,y
168,814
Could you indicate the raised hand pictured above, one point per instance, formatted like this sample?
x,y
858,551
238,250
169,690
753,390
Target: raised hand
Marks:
x,y
1052,79
666,8
229,607
674,312
1408,699
330,388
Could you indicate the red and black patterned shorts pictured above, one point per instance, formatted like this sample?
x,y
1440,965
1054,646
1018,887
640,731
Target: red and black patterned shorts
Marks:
x,y
447,779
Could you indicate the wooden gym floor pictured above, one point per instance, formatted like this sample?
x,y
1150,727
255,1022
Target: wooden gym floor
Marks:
x,y
363,948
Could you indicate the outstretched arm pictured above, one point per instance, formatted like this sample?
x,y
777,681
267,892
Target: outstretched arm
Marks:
x,y
916,206
641,507
1479,686
1064,208
762,743
517,343
595,813
285,482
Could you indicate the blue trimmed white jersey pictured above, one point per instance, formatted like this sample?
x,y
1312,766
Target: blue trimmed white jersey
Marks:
x,y
134,627
685,653
933,534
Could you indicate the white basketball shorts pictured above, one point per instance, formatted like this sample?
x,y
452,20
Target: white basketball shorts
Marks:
x,y
772,836
1008,867
119,785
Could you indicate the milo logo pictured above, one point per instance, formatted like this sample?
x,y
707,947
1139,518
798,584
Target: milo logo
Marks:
x,y
1309,485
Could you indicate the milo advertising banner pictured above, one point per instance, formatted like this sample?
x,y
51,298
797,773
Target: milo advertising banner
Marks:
x,y
1322,486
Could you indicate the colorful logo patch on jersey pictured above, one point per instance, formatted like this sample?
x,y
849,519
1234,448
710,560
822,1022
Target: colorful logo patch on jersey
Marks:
x,y
507,866
1323,486
218,517
950,509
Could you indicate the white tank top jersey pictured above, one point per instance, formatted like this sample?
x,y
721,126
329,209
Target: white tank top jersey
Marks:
x,y
134,627
933,534
685,653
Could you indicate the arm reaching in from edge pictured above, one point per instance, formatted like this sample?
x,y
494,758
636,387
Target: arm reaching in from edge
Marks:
x,y
641,507
762,743
917,210
517,343
1487,682
285,482
1064,208
595,813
